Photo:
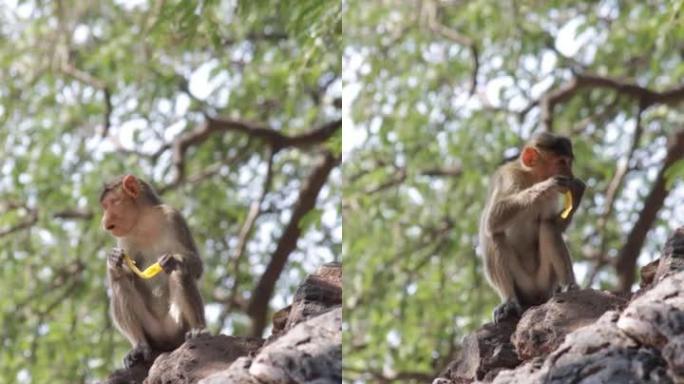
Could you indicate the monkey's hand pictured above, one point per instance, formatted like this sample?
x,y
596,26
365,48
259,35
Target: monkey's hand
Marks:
x,y
168,263
503,311
140,354
552,186
577,188
115,259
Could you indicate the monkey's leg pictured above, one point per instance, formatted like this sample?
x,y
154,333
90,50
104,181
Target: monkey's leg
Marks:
x,y
498,267
552,249
185,294
129,313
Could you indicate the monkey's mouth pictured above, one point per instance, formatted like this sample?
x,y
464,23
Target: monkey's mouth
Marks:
x,y
111,227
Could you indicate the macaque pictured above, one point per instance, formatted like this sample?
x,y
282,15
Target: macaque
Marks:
x,y
159,313
525,257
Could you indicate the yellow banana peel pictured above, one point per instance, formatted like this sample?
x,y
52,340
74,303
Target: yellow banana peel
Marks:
x,y
148,273
567,205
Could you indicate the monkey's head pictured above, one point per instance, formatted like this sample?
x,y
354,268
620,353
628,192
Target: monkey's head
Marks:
x,y
122,201
547,155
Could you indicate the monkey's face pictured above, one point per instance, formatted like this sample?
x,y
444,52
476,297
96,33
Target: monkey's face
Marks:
x,y
120,213
551,164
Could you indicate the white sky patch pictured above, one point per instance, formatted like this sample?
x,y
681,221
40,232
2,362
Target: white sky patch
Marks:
x,y
183,100
127,130
352,135
132,4
495,87
568,42
81,34
201,84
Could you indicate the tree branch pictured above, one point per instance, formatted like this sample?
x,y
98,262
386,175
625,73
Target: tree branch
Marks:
x,y
261,296
31,218
274,138
565,92
611,195
73,214
458,38
245,231
85,78
627,257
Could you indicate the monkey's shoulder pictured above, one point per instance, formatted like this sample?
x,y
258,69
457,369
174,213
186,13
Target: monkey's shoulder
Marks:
x,y
172,216
178,227
512,177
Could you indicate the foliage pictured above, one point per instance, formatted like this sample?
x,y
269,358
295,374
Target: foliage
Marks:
x,y
91,90
421,146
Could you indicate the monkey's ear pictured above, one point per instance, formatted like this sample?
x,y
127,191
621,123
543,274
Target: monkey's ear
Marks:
x,y
130,186
529,156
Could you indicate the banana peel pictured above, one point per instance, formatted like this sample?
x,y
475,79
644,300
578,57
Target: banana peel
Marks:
x,y
567,205
148,273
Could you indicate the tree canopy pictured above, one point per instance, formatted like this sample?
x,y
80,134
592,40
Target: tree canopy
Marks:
x,y
232,110
438,94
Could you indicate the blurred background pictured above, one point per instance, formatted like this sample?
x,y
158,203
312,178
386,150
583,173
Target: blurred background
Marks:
x,y
232,109
436,95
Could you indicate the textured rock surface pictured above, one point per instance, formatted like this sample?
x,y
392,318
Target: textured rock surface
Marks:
x,y
487,350
199,358
319,292
309,352
598,353
562,341
541,329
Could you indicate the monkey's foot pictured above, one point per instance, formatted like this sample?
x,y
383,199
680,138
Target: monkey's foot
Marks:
x,y
196,333
139,354
566,288
506,310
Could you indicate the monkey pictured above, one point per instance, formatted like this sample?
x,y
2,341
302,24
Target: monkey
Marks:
x,y
158,314
525,256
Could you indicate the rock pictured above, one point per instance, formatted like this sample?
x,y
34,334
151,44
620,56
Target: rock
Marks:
x,y
648,273
598,353
318,293
486,350
673,256
543,328
656,319
238,372
134,375
311,352
200,357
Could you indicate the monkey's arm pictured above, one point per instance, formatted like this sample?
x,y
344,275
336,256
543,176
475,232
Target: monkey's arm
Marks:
x,y
128,308
183,275
507,204
186,253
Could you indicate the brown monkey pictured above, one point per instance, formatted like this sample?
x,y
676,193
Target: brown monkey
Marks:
x,y
526,259
159,313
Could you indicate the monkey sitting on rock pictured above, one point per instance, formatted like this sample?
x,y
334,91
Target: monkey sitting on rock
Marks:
x,y
159,313
526,259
